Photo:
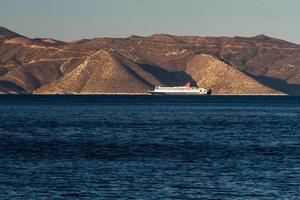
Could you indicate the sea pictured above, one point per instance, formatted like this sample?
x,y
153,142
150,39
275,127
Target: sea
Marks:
x,y
149,147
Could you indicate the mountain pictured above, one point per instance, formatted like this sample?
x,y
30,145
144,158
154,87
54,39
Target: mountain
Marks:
x,y
228,65
102,72
5,33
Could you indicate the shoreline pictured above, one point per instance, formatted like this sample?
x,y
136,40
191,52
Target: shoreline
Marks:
x,y
133,94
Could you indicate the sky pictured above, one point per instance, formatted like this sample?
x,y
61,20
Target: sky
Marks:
x,y
78,19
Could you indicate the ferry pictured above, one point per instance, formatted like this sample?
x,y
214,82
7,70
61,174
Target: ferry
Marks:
x,y
180,90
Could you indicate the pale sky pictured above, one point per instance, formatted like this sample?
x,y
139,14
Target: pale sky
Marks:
x,y
78,19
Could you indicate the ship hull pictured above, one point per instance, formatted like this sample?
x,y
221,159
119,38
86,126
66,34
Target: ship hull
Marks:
x,y
178,94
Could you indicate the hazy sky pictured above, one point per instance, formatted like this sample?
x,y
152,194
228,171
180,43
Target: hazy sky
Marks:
x,y
77,19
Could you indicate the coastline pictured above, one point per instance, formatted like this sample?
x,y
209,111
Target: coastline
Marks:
x,y
131,94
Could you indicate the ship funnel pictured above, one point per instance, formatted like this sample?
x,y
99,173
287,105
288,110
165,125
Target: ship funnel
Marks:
x,y
188,85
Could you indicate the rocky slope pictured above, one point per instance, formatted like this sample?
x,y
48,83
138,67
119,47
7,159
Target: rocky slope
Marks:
x,y
256,65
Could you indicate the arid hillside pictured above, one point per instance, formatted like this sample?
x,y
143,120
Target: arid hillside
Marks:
x,y
237,65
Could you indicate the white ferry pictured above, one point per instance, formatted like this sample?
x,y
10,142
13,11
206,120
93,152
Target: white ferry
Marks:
x,y
181,90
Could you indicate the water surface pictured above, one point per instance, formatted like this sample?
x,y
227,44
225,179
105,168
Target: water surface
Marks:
x,y
149,147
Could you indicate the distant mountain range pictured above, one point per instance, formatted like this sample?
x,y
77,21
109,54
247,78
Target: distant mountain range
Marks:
x,y
227,65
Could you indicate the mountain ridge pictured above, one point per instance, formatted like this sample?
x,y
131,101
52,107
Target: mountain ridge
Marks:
x,y
268,65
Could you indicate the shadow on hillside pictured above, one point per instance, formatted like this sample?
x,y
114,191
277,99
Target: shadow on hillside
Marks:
x,y
278,84
168,78
11,87
132,72
3,71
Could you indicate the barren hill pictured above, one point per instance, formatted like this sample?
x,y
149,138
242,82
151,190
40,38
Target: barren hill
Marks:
x,y
102,72
222,78
238,65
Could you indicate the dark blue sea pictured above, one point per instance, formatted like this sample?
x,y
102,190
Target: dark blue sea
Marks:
x,y
149,147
